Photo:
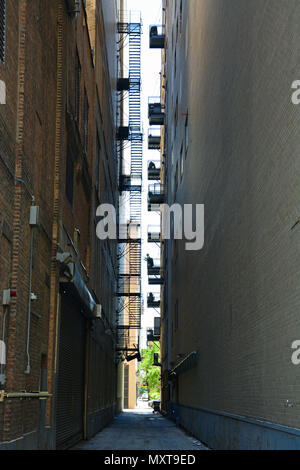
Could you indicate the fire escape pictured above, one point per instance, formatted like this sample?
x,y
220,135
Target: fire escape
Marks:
x,y
156,194
129,242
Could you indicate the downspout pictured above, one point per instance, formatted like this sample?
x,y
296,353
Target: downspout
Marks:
x,y
2,366
27,370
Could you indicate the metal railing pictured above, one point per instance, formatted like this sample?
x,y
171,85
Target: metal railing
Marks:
x,y
157,30
155,189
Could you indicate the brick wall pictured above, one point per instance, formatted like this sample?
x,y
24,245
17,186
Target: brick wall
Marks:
x,y
238,298
28,140
36,126
7,160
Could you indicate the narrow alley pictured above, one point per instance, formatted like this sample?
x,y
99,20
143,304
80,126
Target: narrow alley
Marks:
x,y
149,227
141,429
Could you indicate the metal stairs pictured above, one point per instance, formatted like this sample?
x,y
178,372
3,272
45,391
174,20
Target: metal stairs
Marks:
x,y
129,277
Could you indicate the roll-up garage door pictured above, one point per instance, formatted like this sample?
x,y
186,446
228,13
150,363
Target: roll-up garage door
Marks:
x,y
126,387
70,380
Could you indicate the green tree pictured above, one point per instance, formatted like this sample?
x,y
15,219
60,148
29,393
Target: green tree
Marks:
x,y
149,373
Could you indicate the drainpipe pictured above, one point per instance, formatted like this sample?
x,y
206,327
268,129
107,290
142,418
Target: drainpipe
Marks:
x,y
2,366
3,324
27,370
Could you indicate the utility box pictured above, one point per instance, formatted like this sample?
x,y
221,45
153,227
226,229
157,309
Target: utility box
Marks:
x,y
6,297
35,216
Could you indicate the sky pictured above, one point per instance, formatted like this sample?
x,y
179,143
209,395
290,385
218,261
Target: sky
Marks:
x,y
151,12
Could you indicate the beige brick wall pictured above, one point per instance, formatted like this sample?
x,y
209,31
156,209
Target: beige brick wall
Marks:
x,y
239,296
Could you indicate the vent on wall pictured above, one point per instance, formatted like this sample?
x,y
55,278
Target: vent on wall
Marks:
x,y
73,7
2,29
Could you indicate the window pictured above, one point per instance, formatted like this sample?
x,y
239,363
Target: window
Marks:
x,y
186,135
85,122
77,86
70,177
2,29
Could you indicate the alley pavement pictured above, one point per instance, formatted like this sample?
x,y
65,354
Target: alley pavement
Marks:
x,y
141,429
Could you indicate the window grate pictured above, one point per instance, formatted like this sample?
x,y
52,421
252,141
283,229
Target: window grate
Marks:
x,y
2,29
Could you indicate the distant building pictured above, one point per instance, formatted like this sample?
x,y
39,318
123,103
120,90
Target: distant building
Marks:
x,y
230,311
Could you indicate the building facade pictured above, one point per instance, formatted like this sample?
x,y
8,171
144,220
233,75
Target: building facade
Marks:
x,y
58,162
230,311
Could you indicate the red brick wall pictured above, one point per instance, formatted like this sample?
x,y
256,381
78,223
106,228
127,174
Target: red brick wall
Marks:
x,y
35,126
30,74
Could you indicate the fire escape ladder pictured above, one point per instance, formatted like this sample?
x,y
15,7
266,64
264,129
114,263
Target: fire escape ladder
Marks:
x,y
129,283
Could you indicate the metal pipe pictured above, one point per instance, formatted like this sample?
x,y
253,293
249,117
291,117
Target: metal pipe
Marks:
x,y
3,324
2,366
39,395
27,370
21,181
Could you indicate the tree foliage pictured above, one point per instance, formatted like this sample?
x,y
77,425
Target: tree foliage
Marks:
x,y
149,373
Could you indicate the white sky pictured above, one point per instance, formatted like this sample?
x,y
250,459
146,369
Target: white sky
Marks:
x,y
151,66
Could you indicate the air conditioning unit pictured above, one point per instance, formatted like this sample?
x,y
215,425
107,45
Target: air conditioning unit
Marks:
x,y
73,7
7,295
